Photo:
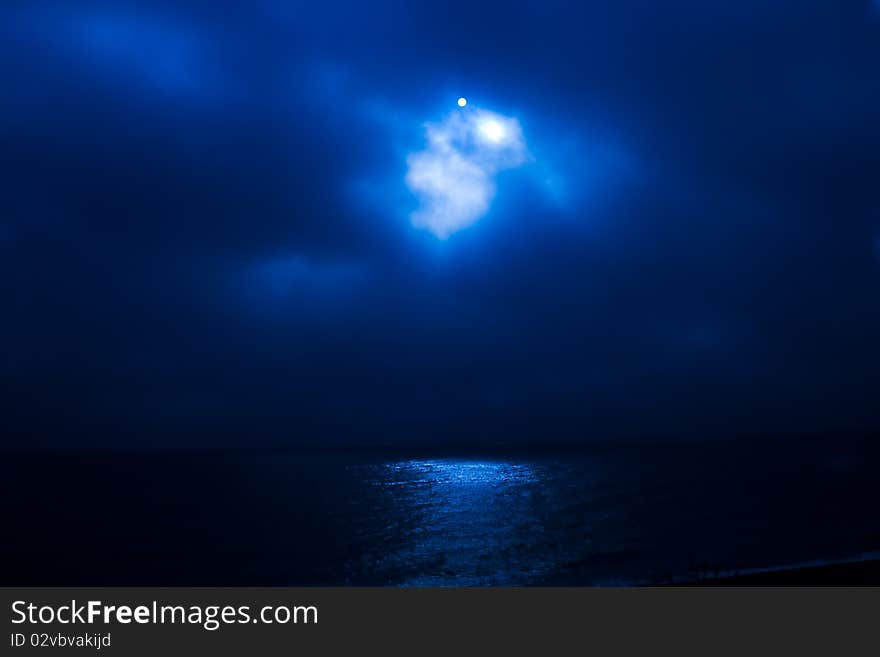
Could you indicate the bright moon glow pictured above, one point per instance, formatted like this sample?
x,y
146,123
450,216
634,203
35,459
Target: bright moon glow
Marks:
x,y
454,176
462,101
492,130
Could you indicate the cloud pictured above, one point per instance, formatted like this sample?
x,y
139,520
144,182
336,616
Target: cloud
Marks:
x,y
296,282
454,177
161,51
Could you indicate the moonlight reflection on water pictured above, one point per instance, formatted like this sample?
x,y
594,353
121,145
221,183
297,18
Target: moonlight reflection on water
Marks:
x,y
602,516
464,521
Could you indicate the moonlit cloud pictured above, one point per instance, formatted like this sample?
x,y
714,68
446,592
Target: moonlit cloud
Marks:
x,y
454,177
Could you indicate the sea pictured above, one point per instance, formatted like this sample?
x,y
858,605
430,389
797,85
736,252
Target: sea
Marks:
x,y
605,515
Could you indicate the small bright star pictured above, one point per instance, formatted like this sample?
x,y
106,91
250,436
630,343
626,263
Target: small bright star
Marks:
x,y
462,101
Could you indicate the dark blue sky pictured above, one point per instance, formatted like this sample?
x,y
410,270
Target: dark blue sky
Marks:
x,y
205,234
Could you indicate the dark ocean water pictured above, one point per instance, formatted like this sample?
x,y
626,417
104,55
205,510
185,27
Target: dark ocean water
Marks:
x,y
606,515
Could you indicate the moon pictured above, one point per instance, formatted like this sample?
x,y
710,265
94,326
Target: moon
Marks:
x,y
492,130
462,101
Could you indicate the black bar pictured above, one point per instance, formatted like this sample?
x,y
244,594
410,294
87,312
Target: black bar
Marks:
x,y
468,621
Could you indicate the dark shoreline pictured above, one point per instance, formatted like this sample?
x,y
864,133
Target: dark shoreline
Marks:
x,y
853,573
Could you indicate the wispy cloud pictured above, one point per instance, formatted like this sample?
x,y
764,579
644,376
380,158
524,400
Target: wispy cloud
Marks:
x,y
164,53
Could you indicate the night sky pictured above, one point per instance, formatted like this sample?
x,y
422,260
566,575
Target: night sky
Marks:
x,y
210,235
